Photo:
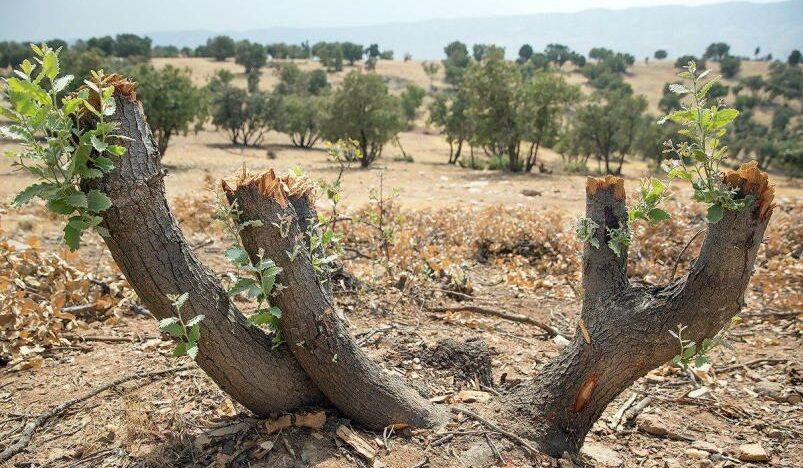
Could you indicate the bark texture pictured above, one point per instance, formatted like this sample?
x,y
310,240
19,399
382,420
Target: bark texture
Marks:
x,y
317,337
629,326
149,247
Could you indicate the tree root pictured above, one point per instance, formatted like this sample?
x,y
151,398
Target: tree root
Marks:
x,y
30,428
513,437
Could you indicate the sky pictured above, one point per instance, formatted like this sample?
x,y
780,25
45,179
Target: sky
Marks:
x,y
71,19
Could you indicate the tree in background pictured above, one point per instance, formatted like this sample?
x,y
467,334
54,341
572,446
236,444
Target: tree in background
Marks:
x,y
478,51
660,54
611,122
170,100
372,51
431,69
558,53
220,47
449,113
105,44
794,58
246,116
670,101
684,60
352,52
131,45
411,99
302,104
250,55
525,53
730,66
165,51
457,60
363,110
717,51
386,54
330,54
13,53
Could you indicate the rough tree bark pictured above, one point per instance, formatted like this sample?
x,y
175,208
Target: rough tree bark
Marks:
x,y
317,337
149,247
629,326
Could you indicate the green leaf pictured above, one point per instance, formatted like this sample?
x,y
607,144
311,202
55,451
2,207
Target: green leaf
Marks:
x,y
59,206
181,349
267,283
242,284
103,163
98,201
62,83
689,351
102,231
78,223
179,301
50,65
31,191
195,332
172,326
192,349
238,256
715,213
657,214
100,146
72,238
78,200
723,118
195,320
116,150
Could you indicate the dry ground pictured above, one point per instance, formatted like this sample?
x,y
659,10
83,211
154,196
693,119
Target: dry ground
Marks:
x,y
184,419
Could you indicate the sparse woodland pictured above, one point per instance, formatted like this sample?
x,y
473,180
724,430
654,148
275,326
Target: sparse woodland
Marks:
x,y
646,287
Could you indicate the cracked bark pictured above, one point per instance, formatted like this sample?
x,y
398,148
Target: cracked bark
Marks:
x,y
317,337
629,326
150,249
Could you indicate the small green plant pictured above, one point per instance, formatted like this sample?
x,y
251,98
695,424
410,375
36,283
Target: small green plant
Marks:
x,y
699,157
187,332
586,228
60,147
689,350
254,280
619,239
652,192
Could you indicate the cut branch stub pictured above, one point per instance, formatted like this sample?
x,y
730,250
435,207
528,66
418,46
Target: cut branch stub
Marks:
x,y
149,247
603,270
629,326
316,336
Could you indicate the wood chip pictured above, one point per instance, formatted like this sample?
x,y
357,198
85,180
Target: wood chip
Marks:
x,y
357,443
314,420
472,396
276,425
584,329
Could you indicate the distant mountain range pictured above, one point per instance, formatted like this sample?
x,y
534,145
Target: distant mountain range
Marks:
x,y
775,27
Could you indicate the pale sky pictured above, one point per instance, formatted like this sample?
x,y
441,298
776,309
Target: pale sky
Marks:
x,y
70,19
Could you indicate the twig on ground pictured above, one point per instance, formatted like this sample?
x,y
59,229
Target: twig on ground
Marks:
x,y
500,314
513,437
614,423
635,410
30,428
752,363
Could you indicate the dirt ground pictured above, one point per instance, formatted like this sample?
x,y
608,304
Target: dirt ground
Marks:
x,y
749,396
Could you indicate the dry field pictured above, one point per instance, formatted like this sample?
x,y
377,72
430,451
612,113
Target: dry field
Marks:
x,y
478,235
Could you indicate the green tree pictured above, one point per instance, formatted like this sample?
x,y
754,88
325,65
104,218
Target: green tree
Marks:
x,y
105,45
250,55
363,110
165,51
669,101
660,54
301,117
611,122
220,47
449,112
717,51
245,116
525,53
386,54
684,60
478,51
729,66
794,58
170,100
12,53
431,69
558,53
784,81
372,51
457,60
543,101
131,45
352,52
411,99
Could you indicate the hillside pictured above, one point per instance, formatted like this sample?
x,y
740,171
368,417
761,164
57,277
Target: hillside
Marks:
x,y
775,27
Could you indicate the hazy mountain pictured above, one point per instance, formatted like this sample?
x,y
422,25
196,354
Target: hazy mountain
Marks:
x,y
776,27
